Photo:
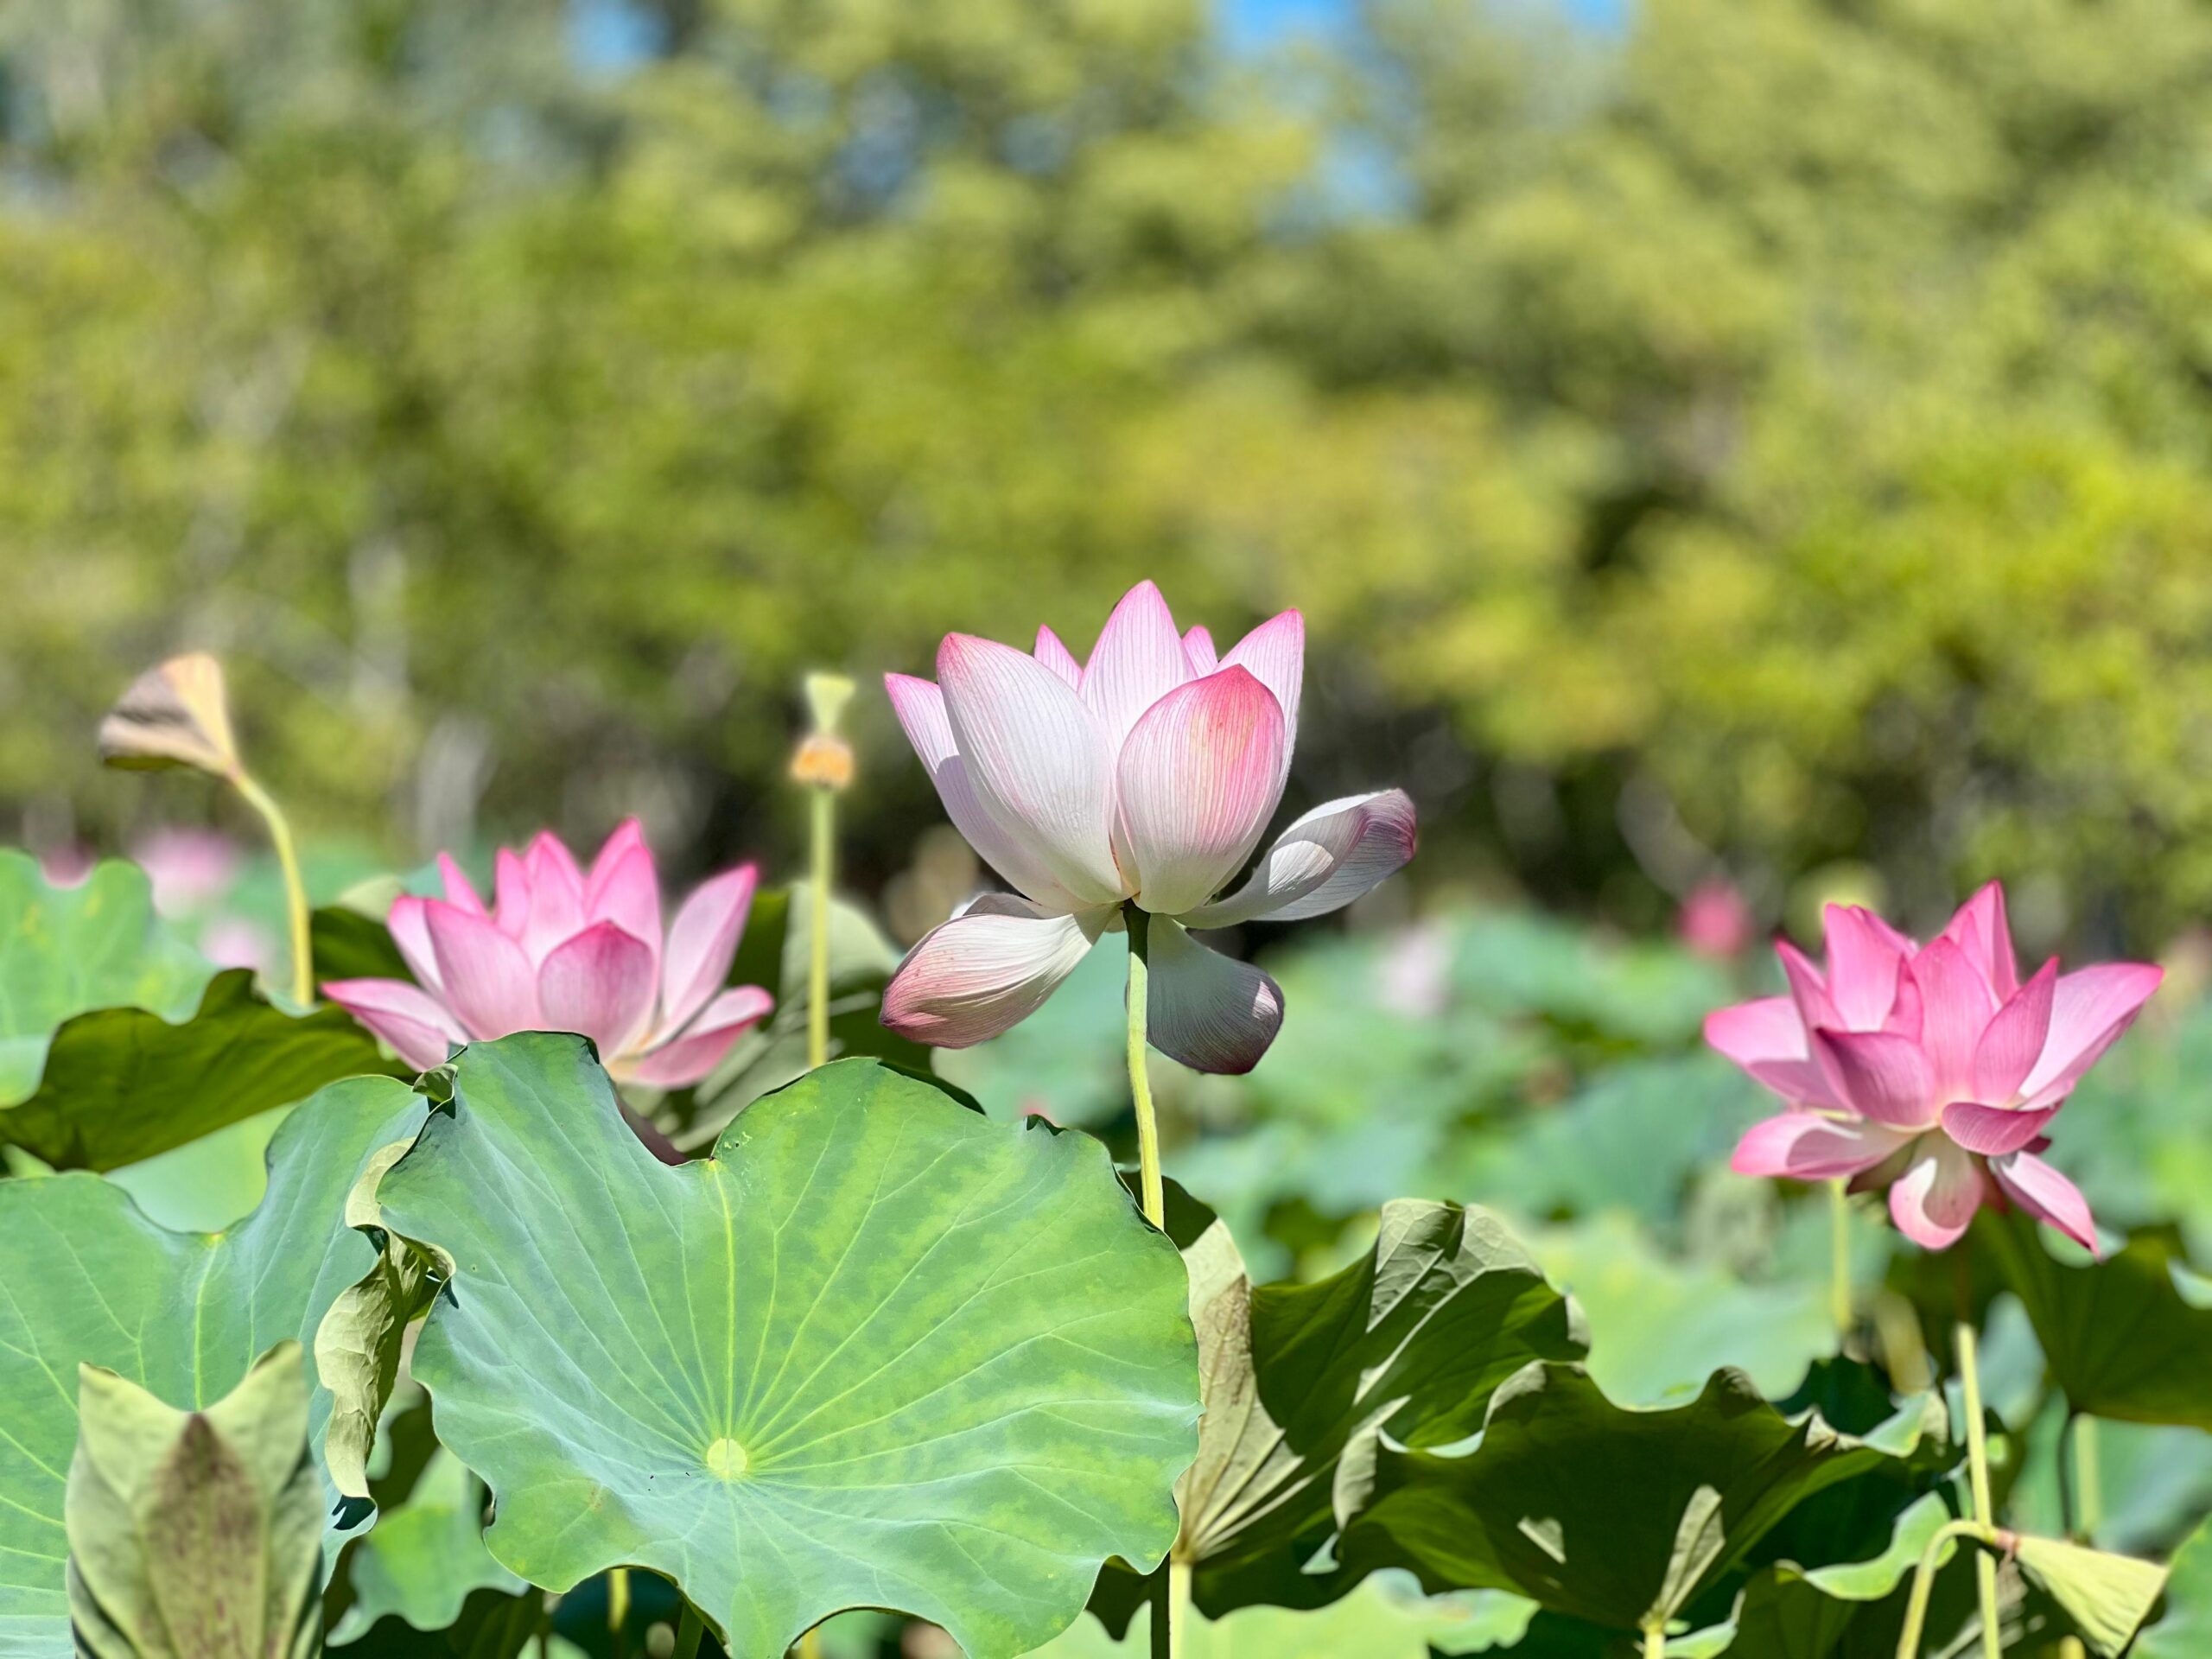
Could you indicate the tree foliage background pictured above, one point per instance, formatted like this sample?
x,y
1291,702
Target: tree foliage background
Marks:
x,y
1765,434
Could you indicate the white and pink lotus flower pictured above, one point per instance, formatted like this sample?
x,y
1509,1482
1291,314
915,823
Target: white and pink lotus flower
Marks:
x,y
564,949
1143,776
1932,1070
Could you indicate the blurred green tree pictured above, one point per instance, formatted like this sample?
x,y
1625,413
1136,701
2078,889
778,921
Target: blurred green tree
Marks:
x,y
1775,433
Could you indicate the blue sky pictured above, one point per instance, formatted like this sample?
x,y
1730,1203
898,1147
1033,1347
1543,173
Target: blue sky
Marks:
x,y
1256,22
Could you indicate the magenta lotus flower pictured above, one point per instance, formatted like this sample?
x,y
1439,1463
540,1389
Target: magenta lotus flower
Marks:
x,y
1143,776
567,949
1929,1070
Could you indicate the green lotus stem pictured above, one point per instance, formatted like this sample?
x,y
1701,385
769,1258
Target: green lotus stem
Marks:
x,y
618,1609
1155,1199
1654,1640
1924,1581
1178,1603
809,1645
296,890
1839,1251
690,1629
2086,1475
817,968
1985,1566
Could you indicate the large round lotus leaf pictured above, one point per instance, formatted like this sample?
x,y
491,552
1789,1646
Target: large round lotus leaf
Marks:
x,y
877,1350
85,1277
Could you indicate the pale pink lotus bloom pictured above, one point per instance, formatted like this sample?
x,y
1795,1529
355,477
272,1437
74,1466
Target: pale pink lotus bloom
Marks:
x,y
1715,923
189,868
1144,776
563,948
1932,1070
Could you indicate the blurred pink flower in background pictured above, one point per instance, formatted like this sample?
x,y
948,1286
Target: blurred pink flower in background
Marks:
x,y
564,950
1147,776
189,868
233,941
66,865
1931,1070
1715,922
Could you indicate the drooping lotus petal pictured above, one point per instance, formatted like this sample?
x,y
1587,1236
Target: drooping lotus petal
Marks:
x,y
1039,761
1863,962
689,1057
459,890
1808,1147
416,1026
921,707
1197,646
1276,653
1767,1040
1056,656
1137,661
1767,1029
1956,1007
1196,781
1878,1074
600,982
2090,1011
1982,931
2048,1196
557,896
977,975
2015,1039
702,942
1808,988
1211,1011
484,976
1993,1130
1935,1197
1322,863
410,932
624,887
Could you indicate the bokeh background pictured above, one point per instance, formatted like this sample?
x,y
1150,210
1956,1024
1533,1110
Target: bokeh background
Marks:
x,y
1757,440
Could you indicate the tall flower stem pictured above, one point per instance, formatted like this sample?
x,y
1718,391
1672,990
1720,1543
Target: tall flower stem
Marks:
x,y
1154,1197
1655,1639
1840,1252
2088,1482
618,1610
1985,1566
824,840
690,1629
296,890
1924,1581
1178,1603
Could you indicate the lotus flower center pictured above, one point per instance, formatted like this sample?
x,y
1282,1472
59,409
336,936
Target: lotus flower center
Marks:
x,y
726,1460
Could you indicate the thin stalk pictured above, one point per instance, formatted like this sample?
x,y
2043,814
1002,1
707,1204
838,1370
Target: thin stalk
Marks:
x,y
1654,1640
1178,1603
2087,1476
1840,1252
1155,1198
817,968
296,890
618,1610
690,1629
1924,1581
809,1645
1985,1566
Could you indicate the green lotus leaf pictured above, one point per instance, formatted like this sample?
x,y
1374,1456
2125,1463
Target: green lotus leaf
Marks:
x,y
124,1084
86,1278
195,1534
1373,1622
426,1557
1299,1381
68,950
775,954
1618,1517
877,1351
2106,1595
2184,1630
2122,1339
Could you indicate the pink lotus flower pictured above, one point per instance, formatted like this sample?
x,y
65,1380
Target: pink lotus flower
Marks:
x,y
1144,776
1715,923
1932,1070
567,950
